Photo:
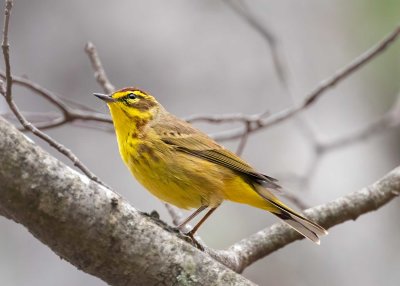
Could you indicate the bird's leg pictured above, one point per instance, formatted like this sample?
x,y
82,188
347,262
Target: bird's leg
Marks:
x,y
203,219
191,233
192,216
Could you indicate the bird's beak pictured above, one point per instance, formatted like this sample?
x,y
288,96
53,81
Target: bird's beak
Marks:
x,y
104,97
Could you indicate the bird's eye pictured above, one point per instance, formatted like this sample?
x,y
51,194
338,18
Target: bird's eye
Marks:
x,y
131,96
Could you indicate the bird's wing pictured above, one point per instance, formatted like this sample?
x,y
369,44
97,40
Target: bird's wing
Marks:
x,y
187,139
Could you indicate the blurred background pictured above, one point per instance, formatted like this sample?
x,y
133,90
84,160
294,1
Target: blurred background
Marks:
x,y
201,57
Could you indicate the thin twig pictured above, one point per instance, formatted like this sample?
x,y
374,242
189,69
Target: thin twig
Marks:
x,y
243,140
57,100
258,122
7,92
99,71
243,11
6,48
280,68
52,98
176,215
387,121
69,114
41,120
313,96
227,118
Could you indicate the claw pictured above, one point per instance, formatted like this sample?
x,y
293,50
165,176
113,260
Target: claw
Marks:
x,y
194,241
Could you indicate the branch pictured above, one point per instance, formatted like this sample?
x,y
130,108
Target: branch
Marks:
x,y
255,122
6,48
83,222
43,211
350,207
385,122
176,215
93,228
244,12
227,118
82,112
97,66
36,88
318,91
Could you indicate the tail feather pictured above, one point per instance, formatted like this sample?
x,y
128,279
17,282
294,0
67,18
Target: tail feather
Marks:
x,y
301,224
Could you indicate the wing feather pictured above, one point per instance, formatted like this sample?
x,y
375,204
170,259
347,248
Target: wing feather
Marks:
x,y
191,141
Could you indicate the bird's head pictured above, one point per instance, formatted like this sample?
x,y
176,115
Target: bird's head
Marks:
x,y
130,104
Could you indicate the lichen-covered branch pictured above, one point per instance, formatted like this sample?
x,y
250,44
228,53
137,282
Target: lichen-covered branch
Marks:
x,y
92,227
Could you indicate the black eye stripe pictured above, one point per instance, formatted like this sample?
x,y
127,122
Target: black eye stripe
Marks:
x,y
124,100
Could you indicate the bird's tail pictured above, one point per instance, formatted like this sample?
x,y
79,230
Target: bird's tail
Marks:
x,y
301,224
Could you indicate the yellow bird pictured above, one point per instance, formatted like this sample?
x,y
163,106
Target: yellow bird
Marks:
x,y
184,167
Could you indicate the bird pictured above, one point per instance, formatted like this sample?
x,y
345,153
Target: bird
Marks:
x,y
183,166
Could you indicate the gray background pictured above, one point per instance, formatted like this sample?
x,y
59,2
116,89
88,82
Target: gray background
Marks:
x,y
200,57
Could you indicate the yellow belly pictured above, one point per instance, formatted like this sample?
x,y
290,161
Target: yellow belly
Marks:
x,y
187,181
177,178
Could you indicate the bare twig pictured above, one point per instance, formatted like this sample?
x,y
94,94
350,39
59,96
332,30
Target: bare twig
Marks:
x,y
97,66
52,98
177,216
318,91
68,114
41,120
278,60
257,123
6,49
57,100
381,124
243,11
243,140
7,93
388,120
228,118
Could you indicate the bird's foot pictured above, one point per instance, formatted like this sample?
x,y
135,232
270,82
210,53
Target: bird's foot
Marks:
x,y
194,241
189,237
